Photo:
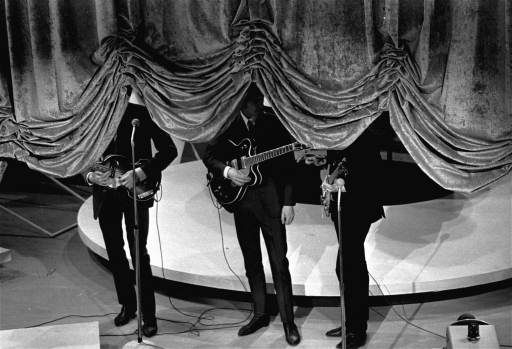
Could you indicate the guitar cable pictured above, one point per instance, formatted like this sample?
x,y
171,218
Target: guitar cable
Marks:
x,y
193,329
231,325
197,326
403,317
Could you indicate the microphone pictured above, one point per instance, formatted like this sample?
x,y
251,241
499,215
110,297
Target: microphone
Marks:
x,y
340,184
135,124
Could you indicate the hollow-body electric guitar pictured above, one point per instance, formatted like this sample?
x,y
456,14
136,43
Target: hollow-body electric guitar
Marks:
x,y
246,160
117,165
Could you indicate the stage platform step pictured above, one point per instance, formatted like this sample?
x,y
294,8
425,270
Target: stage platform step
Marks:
x,y
5,255
451,242
84,335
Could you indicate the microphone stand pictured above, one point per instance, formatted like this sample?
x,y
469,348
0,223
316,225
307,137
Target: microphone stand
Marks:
x,y
136,235
342,284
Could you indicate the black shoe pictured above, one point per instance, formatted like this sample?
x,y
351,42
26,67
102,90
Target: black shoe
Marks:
x,y
354,340
257,322
335,332
149,328
291,333
124,316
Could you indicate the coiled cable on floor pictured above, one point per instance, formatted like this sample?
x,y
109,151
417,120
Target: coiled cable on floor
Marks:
x,y
195,327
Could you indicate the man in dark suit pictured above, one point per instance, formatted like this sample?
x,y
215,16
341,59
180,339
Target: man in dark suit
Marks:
x,y
267,206
111,204
360,205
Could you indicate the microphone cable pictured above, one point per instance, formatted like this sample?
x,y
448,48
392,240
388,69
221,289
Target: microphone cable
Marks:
x,y
157,200
404,318
193,329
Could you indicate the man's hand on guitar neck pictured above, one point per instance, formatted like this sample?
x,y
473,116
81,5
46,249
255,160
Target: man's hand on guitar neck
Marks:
x,y
237,177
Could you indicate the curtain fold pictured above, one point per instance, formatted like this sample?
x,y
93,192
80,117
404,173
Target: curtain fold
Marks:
x,y
328,70
5,98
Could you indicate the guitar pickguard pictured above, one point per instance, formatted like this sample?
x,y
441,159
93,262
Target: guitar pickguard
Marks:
x,y
240,152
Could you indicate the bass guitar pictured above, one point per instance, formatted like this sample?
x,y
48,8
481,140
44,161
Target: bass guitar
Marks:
x,y
118,165
246,160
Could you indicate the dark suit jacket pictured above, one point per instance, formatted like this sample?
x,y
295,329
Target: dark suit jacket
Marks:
x,y
147,131
363,197
269,134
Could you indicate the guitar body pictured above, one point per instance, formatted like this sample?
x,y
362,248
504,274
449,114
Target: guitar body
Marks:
x,y
225,191
118,165
340,171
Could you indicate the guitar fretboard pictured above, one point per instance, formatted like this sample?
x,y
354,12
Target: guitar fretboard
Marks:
x,y
101,168
107,168
269,154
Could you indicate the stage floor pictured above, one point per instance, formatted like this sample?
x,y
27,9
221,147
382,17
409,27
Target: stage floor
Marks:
x,y
448,243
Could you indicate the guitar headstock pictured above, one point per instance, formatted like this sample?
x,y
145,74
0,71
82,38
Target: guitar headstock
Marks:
x,y
299,146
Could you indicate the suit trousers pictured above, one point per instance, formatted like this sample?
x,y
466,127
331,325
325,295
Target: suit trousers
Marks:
x,y
110,217
354,229
253,213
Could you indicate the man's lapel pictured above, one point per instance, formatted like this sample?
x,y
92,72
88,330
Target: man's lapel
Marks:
x,y
239,128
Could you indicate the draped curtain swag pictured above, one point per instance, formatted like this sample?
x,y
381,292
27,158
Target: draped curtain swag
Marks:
x,y
328,69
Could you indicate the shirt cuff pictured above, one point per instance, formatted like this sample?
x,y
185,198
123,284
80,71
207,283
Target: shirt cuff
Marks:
x,y
225,172
87,179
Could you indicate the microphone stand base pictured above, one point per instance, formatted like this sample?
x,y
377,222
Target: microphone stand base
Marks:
x,y
135,344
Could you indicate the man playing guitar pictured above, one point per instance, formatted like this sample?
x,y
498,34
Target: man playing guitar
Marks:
x,y
111,202
267,205
353,172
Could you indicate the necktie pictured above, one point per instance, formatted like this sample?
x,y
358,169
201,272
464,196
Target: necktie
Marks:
x,y
251,126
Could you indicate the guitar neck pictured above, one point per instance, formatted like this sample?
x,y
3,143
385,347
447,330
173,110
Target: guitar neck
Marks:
x,y
101,168
106,168
269,154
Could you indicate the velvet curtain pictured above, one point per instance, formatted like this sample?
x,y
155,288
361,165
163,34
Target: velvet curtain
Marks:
x,y
328,69
5,98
